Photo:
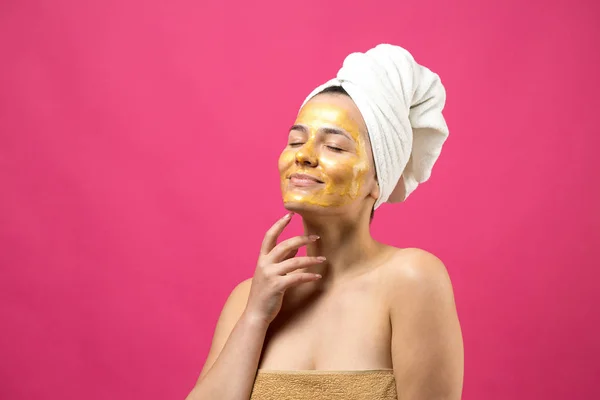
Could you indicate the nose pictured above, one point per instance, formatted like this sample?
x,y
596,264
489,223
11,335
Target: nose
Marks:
x,y
306,155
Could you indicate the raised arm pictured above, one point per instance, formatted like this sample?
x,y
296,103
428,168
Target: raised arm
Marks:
x,y
233,358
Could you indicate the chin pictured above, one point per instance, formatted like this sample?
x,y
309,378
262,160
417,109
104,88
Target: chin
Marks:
x,y
306,209
299,206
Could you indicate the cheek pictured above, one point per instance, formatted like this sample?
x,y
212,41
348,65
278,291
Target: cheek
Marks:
x,y
285,160
338,170
347,177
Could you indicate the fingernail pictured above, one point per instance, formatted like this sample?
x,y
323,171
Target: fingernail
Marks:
x,y
313,237
289,215
321,258
318,276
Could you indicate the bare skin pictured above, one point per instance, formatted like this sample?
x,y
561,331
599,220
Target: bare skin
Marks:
x,y
334,326
367,306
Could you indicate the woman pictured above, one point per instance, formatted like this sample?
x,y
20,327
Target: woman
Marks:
x,y
355,318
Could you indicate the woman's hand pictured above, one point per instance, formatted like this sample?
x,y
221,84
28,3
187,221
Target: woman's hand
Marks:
x,y
272,276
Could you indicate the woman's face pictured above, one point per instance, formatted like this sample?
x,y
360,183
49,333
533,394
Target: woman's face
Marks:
x,y
329,144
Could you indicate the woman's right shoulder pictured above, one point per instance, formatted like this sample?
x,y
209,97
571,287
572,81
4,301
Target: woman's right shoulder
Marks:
x,y
234,306
243,286
230,314
239,295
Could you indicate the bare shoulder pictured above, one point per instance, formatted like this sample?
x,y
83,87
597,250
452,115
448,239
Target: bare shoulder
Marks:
x,y
230,314
427,346
416,272
239,295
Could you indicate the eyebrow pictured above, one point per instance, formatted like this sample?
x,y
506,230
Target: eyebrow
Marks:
x,y
326,130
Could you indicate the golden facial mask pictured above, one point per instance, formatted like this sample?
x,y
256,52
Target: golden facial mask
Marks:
x,y
342,173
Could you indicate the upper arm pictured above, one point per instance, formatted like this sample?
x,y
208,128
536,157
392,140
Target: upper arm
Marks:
x,y
230,314
427,345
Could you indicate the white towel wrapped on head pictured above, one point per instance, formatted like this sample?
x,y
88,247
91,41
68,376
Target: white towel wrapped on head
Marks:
x,y
401,103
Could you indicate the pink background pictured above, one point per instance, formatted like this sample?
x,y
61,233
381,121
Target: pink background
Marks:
x,y
138,151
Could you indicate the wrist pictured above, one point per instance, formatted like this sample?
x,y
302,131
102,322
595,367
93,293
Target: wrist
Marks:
x,y
254,321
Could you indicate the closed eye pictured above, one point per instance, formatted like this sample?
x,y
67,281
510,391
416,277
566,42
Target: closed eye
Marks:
x,y
332,148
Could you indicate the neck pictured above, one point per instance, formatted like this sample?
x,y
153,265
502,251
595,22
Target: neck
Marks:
x,y
347,245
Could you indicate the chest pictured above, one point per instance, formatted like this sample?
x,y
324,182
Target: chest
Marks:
x,y
346,330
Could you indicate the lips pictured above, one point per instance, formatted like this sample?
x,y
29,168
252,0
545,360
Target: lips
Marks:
x,y
305,178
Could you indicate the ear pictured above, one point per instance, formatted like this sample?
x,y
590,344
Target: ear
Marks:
x,y
375,191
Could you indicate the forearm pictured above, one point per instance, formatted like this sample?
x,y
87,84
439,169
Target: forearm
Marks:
x,y
232,375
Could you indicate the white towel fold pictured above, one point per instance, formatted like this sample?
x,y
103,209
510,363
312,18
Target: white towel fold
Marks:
x,y
401,103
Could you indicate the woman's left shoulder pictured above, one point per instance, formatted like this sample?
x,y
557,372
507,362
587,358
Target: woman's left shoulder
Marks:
x,y
416,269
